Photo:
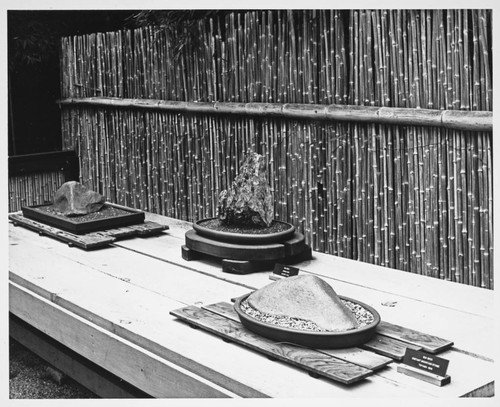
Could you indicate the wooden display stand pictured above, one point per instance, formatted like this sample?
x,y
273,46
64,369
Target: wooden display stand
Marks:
x,y
348,365
246,258
91,240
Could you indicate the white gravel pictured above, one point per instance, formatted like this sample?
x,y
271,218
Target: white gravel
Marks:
x,y
362,315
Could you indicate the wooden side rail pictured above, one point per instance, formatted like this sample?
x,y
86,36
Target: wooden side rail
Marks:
x,y
90,375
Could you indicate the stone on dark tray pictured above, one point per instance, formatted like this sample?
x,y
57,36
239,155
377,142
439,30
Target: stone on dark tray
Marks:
x,y
306,297
74,199
249,200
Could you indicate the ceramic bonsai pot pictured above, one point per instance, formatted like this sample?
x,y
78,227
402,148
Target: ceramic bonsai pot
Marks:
x,y
311,339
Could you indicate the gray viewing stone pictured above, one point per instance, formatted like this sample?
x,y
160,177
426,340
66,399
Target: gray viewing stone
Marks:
x,y
73,199
305,297
249,201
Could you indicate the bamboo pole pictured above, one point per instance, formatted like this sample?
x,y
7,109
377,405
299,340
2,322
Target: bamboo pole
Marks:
x,y
460,120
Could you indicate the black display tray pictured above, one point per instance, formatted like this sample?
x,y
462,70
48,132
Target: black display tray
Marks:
x,y
69,224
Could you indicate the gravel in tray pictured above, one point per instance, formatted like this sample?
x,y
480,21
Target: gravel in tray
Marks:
x,y
216,225
362,315
104,213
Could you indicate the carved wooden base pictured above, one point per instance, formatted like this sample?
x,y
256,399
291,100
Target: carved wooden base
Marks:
x,y
246,258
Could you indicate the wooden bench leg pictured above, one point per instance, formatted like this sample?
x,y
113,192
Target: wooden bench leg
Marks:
x,y
189,254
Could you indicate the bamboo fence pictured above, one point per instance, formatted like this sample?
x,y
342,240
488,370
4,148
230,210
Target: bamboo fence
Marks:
x,y
397,171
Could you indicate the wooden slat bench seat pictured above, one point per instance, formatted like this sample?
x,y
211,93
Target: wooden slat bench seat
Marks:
x,y
113,307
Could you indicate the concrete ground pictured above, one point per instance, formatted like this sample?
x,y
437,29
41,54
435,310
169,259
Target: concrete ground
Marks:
x,y
30,377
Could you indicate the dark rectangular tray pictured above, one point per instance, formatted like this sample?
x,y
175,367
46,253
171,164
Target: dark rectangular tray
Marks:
x,y
68,224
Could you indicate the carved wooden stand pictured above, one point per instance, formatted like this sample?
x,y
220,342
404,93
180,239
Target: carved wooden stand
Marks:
x,y
244,258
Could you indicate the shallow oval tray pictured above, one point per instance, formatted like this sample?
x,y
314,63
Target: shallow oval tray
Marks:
x,y
244,238
311,339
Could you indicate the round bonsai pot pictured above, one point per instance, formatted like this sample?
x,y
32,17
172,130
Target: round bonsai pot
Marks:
x,y
244,237
311,339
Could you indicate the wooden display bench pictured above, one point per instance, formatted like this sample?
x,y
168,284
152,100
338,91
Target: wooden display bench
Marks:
x,y
109,312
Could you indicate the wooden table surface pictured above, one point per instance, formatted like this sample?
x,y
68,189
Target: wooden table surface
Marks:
x,y
112,306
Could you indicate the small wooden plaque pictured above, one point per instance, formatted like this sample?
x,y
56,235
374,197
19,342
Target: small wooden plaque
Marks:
x,y
282,271
425,376
425,366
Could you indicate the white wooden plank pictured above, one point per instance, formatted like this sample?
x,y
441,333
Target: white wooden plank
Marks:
x,y
128,266
168,248
447,294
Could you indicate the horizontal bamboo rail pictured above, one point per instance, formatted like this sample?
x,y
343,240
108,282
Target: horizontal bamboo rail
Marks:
x,y
450,119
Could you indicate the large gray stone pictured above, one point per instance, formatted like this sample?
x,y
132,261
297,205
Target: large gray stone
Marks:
x,y
73,199
306,297
249,201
